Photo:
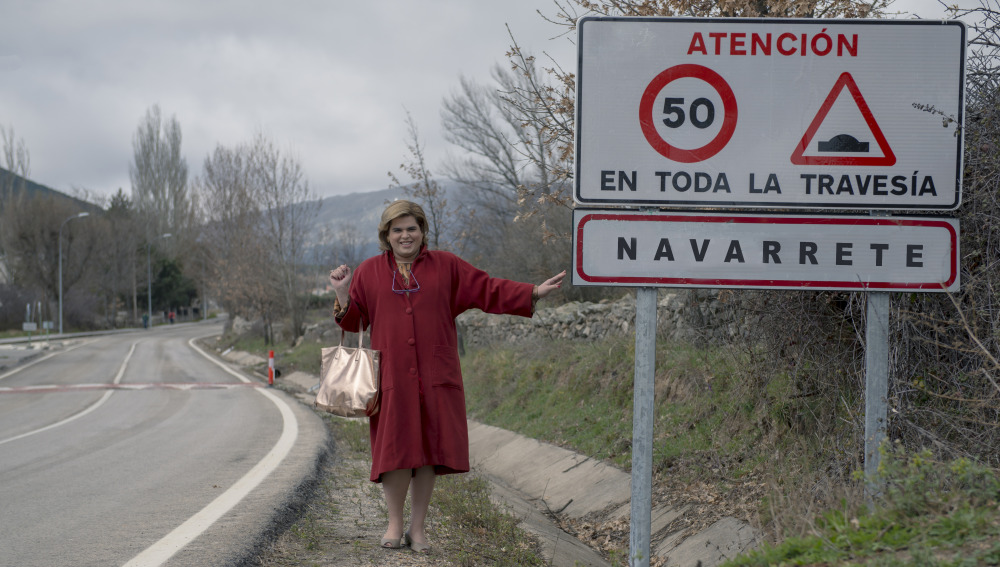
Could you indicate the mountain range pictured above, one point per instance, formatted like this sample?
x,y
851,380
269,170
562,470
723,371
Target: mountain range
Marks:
x,y
11,182
360,211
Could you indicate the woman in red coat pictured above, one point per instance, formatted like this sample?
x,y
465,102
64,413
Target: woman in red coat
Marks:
x,y
409,297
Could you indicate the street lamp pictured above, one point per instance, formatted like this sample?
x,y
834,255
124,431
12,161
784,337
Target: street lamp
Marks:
x,y
76,216
149,281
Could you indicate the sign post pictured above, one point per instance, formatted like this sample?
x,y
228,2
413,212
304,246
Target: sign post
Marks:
x,y
876,383
727,113
643,417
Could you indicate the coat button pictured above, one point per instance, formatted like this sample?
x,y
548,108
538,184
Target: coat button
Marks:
x,y
409,310
411,342
413,371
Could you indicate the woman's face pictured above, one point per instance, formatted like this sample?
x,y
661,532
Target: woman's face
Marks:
x,y
405,237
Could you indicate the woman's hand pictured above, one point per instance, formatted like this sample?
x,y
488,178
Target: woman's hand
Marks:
x,y
340,279
550,285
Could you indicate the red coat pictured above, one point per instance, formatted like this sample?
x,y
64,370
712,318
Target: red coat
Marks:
x,y
422,418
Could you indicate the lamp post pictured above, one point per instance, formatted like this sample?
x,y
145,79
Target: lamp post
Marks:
x,y
76,216
149,280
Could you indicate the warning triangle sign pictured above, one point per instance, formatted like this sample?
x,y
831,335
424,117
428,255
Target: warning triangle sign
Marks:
x,y
843,149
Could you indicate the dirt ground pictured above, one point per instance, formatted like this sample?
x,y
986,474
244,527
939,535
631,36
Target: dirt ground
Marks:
x,y
705,502
343,526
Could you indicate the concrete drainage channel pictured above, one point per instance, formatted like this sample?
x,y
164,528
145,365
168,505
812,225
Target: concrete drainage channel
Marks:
x,y
534,479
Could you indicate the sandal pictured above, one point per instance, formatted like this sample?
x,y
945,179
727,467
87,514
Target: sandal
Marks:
x,y
415,546
393,543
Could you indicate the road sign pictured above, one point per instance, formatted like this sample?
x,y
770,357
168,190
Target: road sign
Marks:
x,y
770,113
857,253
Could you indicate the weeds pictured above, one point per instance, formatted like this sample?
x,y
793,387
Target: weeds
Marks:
x,y
787,445
475,523
342,525
929,513
580,396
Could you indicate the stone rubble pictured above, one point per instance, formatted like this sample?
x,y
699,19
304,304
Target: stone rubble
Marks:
x,y
684,315
696,315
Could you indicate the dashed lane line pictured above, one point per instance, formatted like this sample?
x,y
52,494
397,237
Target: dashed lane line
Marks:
x,y
50,388
74,417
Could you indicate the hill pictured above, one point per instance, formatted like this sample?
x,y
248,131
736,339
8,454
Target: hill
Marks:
x,y
360,211
11,183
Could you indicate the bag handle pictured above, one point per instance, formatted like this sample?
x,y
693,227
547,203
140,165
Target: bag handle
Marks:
x,y
361,338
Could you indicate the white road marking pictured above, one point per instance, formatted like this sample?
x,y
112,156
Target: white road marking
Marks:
x,y
46,357
50,388
94,406
163,550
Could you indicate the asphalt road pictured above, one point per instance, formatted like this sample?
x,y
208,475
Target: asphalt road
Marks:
x,y
137,449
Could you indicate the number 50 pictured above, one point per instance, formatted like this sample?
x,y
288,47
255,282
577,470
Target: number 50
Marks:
x,y
673,108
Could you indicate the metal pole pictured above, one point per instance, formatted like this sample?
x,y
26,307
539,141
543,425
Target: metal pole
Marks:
x,y
876,384
642,426
76,216
149,288
149,280
60,277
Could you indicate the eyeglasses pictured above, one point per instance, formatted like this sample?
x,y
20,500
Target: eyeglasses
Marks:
x,y
405,289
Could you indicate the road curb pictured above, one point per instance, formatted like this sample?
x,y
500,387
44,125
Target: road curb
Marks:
x,y
303,474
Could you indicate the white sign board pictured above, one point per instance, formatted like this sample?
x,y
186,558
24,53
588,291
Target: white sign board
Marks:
x,y
770,113
856,253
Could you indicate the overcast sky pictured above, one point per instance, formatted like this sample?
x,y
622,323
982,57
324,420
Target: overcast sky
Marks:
x,y
326,80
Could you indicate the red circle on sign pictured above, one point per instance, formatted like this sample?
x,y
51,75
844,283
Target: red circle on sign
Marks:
x,y
649,97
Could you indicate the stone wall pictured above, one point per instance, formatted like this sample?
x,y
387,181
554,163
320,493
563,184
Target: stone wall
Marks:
x,y
684,315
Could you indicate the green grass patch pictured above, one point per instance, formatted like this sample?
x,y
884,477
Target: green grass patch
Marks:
x,y
579,395
474,530
928,513
304,358
249,342
351,435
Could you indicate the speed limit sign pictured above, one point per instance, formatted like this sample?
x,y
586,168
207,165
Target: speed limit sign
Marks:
x,y
770,113
700,114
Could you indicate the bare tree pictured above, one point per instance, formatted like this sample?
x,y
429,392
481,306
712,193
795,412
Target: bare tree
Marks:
x,y
17,161
347,245
31,232
474,120
425,189
16,157
509,148
284,194
159,176
233,234
256,217
119,258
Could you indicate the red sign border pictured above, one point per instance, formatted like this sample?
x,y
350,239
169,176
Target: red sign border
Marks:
x,y
844,81
730,112
850,285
